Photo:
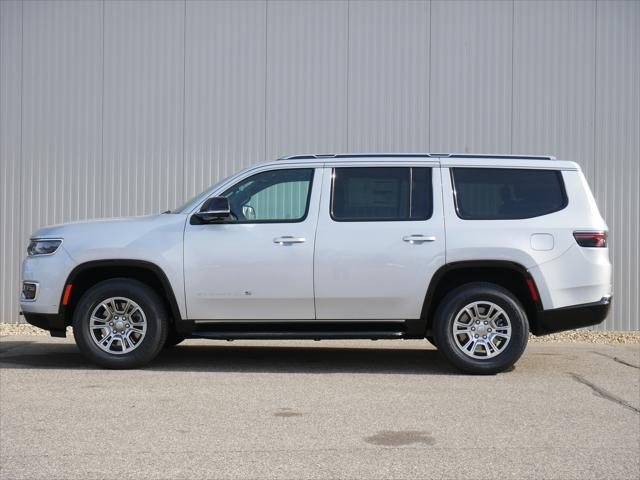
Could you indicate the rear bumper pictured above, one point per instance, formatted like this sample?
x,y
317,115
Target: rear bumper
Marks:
x,y
572,317
47,321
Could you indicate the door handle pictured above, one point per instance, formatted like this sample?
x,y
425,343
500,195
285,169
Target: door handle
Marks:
x,y
419,238
287,239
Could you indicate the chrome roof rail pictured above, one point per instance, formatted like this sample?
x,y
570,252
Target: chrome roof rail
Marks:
x,y
416,155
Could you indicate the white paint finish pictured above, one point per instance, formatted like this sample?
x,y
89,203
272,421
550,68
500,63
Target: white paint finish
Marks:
x,y
510,240
306,86
12,246
155,239
553,79
238,271
578,276
617,149
143,106
365,270
542,241
50,273
352,270
471,67
388,76
225,90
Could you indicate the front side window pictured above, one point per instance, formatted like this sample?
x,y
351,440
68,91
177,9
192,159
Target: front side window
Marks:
x,y
365,194
272,196
507,193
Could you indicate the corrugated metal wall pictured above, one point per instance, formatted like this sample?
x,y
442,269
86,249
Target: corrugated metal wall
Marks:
x,y
128,107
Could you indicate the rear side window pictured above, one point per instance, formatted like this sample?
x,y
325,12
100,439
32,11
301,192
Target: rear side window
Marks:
x,y
366,194
507,193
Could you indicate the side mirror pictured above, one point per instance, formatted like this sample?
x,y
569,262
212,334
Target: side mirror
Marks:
x,y
214,209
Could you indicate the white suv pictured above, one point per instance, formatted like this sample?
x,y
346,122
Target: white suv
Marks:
x,y
471,252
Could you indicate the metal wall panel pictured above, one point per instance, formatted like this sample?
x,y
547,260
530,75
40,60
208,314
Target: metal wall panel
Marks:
x,y
388,76
617,148
127,107
306,88
143,106
554,81
61,112
11,245
225,90
471,70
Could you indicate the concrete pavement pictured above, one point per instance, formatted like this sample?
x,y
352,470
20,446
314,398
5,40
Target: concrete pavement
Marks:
x,y
347,409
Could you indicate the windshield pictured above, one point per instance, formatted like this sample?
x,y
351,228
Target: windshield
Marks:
x,y
189,204
192,202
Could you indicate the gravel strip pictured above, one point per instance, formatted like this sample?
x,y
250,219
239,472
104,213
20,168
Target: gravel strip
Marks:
x,y
590,336
573,336
23,329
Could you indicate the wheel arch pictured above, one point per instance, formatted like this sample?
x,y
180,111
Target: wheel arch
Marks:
x,y
510,275
87,274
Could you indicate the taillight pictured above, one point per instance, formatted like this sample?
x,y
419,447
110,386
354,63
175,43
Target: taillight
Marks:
x,y
591,239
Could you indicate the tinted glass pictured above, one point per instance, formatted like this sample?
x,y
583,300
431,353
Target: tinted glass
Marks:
x,y
503,193
273,196
381,193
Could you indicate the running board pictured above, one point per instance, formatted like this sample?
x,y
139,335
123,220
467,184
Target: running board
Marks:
x,y
299,330
285,335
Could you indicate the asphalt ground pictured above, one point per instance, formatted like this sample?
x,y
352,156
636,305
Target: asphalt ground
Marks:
x,y
331,409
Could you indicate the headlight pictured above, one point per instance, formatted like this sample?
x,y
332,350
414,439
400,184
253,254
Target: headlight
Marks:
x,y
43,247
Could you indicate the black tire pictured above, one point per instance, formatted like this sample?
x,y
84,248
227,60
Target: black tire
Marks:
x,y
173,339
455,302
154,311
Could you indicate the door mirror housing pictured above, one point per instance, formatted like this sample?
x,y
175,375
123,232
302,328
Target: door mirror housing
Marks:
x,y
214,209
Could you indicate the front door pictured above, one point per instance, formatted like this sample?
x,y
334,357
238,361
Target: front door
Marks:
x,y
380,239
258,264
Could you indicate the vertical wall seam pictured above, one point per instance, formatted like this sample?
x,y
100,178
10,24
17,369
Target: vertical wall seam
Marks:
x,y
430,74
20,154
611,317
184,102
266,74
348,60
513,48
595,92
103,168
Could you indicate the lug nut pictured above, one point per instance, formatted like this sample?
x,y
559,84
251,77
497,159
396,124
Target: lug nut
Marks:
x,y
111,324
486,323
473,329
477,322
488,329
476,335
484,336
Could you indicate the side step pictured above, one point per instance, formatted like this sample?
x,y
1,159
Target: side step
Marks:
x,y
284,335
299,330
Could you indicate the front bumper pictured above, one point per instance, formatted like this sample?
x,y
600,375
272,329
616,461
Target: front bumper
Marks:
x,y
572,317
47,321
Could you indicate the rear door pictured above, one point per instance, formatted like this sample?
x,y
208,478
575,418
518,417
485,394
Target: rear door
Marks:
x,y
379,240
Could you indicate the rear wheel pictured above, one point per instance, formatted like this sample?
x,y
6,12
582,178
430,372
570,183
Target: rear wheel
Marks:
x,y
120,323
481,328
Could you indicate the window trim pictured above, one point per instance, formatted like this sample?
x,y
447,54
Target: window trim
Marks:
x,y
249,222
367,220
563,190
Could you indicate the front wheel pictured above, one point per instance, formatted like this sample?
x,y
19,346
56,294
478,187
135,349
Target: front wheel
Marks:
x,y
481,328
120,323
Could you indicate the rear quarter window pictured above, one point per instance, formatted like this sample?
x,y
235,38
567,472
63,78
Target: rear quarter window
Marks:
x,y
507,193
